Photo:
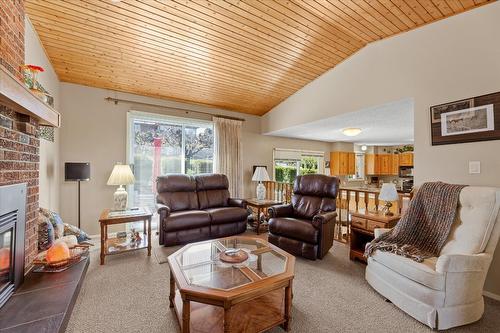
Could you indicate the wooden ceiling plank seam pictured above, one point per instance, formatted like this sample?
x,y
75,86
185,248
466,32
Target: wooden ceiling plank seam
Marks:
x,y
264,72
431,9
219,76
368,16
399,20
237,86
409,12
330,41
443,7
342,9
467,4
235,40
455,5
334,20
102,23
417,7
395,10
317,24
373,12
253,14
251,28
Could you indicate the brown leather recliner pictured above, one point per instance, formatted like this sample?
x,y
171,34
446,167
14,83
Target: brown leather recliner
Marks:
x,y
195,208
306,226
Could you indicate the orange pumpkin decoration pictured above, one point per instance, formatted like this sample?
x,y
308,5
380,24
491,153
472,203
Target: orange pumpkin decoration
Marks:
x,y
59,252
4,258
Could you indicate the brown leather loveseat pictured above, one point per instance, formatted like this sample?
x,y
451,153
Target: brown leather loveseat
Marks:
x,y
306,226
195,208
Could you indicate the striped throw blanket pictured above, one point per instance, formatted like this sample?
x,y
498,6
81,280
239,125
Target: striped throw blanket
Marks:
x,y
423,230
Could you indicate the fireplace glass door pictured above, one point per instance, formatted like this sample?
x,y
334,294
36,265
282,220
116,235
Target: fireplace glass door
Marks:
x,y
6,271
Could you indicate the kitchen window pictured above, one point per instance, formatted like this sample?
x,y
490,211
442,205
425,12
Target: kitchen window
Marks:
x,y
288,163
359,161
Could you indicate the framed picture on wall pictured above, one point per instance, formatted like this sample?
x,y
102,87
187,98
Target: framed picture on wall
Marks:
x,y
473,120
438,110
467,120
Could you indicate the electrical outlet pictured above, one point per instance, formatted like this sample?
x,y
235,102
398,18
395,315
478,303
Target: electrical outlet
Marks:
x,y
474,167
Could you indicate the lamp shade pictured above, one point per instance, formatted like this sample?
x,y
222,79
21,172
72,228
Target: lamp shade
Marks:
x,y
121,175
388,192
260,175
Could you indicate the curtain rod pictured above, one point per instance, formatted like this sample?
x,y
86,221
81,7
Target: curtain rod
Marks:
x,y
117,100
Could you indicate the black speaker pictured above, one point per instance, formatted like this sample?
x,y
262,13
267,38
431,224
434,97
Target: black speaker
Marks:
x,y
76,171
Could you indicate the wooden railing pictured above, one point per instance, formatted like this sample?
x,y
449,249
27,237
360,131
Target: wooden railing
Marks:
x,y
279,191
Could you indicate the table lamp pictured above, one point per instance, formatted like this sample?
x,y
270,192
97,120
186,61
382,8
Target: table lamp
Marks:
x,y
388,193
121,175
260,175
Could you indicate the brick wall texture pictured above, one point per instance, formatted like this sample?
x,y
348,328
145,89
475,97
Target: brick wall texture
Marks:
x,y
19,151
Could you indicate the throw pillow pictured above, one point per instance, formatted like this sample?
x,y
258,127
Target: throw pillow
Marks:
x,y
46,235
81,235
56,222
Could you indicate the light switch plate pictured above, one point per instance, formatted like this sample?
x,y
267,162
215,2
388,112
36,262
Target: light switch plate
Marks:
x,y
474,167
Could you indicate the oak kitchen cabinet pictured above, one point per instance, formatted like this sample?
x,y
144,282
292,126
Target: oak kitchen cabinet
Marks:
x,y
342,163
406,159
382,164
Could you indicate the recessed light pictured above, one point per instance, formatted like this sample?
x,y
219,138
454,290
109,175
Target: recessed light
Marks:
x,y
115,1
351,131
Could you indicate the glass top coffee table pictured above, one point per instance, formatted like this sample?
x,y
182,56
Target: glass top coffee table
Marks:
x,y
211,295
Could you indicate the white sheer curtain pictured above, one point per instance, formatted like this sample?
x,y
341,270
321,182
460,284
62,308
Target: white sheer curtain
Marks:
x,y
228,157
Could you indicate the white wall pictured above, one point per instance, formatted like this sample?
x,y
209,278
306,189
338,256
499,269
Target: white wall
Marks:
x,y
94,131
49,151
449,60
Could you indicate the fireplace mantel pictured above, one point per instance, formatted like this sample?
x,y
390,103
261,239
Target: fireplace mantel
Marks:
x,y
18,97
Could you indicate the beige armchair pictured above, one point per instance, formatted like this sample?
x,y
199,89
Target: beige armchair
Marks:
x,y
445,291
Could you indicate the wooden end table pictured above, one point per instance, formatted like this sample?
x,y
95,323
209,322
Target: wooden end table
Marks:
x,y
260,205
111,246
362,226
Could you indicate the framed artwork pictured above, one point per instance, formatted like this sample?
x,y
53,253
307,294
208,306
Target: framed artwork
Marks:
x,y
468,120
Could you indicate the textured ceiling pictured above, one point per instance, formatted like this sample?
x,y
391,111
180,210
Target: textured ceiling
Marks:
x,y
242,55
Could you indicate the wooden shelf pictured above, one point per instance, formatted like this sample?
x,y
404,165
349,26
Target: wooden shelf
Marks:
x,y
112,242
18,97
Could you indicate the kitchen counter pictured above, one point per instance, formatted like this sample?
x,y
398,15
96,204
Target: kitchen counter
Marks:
x,y
368,189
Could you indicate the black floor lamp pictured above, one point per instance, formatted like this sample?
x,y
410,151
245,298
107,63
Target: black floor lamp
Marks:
x,y
77,172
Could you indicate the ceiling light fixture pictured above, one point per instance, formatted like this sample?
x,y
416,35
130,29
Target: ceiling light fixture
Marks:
x,y
364,148
351,131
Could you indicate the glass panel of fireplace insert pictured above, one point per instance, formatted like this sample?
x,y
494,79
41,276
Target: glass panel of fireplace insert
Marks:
x,y
5,258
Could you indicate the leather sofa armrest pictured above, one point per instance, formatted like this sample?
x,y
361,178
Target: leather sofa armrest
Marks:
x,y
323,218
163,211
459,263
280,211
233,202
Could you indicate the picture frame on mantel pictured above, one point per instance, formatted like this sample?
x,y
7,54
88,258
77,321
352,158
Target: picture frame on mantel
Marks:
x,y
467,120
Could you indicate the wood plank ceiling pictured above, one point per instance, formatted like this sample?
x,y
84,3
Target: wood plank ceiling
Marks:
x,y
242,55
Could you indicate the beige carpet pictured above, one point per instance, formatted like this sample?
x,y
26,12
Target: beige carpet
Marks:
x,y
130,294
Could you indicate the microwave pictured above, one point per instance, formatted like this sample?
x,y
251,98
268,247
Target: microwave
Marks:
x,y
405,171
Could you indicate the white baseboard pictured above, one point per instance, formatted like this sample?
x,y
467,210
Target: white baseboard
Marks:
x,y
491,295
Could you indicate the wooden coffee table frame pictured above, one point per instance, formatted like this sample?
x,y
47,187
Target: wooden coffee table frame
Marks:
x,y
105,220
197,306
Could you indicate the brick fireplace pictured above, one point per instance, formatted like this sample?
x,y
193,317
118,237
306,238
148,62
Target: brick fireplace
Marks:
x,y
19,144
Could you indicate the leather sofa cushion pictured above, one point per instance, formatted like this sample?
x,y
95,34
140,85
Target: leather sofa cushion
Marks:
x,y
223,215
188,219
294,228
212,190
177,191
314,194
476,216
423,273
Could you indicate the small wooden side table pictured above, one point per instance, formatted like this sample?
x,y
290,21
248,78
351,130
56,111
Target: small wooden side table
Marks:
x,y
260,205
362,226
111,246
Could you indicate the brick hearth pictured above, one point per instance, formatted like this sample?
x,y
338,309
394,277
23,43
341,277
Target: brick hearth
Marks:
x,y
19,151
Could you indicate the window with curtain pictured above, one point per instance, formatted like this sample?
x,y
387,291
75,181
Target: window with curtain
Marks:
x,y
159,144
288,163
